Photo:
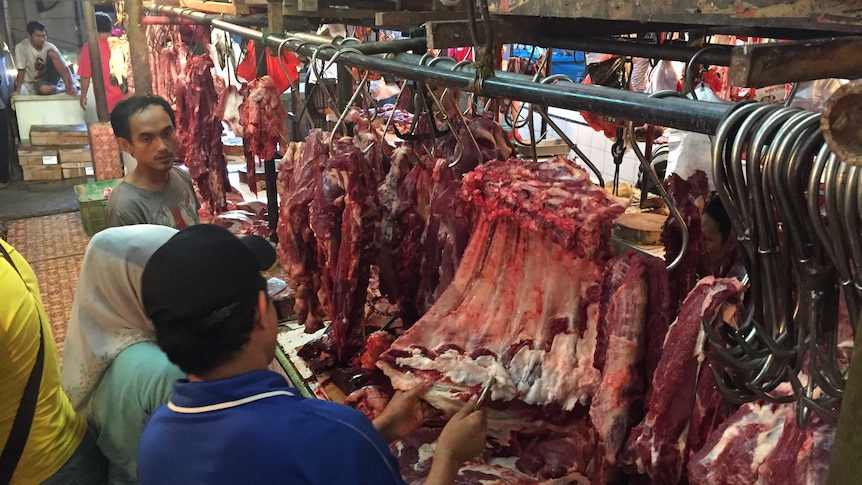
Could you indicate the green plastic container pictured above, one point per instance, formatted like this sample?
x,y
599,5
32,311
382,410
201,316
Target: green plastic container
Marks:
x,y
94,205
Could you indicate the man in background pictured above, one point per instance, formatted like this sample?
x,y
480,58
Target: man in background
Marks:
x,y
41,67
104,25
155,191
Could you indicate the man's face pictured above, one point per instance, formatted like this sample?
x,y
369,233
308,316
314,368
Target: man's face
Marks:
x,y
37,39
154,140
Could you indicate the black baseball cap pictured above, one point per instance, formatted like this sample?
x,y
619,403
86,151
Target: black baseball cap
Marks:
x,y
202,269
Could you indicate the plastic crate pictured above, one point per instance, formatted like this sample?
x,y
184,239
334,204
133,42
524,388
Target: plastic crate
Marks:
x,y
94,205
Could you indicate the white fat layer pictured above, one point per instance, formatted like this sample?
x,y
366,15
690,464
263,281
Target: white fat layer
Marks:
x,y
426,452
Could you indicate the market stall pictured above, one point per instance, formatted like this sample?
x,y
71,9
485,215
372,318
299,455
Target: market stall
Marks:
x,y
697,329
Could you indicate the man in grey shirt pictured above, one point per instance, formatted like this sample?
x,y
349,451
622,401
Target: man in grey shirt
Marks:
x,y
155,192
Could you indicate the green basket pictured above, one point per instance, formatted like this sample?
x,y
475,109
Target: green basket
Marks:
x,y
94,205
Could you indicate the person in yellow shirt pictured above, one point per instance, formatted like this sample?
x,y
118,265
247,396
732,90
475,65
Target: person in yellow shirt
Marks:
x,y
43,440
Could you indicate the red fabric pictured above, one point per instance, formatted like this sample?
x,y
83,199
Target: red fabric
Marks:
x,y
460,53
113,93
247,68
606,126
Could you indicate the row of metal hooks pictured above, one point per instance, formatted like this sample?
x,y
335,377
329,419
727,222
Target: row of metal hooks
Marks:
x,y
795,209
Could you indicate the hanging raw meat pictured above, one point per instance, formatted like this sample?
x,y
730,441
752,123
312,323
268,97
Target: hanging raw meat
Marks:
x,y
345,220
512,311
690,197
263,120
300,173
761,443
199,131
681,410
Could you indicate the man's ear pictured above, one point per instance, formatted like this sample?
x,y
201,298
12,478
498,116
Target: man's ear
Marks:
x,y
125,145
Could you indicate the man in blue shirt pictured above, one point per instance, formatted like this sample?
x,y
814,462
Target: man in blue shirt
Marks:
x,y
233,421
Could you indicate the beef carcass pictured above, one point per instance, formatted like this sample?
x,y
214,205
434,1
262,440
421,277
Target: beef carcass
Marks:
x,y
690,197
199,131
263,120
619,351
512,310
761,443
658,445
404,204
301,170
229,102
345,220
370,400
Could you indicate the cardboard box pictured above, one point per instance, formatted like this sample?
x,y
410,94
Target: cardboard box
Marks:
x,y
30,156
80,154
77,170
74,135
42,172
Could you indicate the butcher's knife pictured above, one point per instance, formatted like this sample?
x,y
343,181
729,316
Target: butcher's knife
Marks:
x,y
483,394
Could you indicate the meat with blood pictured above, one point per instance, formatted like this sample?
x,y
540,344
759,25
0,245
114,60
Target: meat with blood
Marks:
x,y
690,197
658,445
263,120
300,172
199,131
619,353
512,310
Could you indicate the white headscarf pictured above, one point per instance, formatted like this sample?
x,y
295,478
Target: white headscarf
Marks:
x,y
108,312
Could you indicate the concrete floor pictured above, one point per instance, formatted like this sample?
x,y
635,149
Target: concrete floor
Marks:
x,y
23,200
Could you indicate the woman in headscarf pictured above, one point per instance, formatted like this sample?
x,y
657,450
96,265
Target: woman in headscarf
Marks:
x,y
113,371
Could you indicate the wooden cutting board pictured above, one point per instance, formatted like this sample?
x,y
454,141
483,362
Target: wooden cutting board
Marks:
x,y
639,228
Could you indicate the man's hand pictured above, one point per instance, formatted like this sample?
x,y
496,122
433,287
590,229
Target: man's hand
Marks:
x,y
462,438
14,93
405,412
71,90
83,101
464,435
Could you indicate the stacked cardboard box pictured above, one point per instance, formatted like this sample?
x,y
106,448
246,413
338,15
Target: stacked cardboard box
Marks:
x,y
55,152
76,161
39,162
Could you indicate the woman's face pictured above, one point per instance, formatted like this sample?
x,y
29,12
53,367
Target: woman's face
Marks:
x,y
714,243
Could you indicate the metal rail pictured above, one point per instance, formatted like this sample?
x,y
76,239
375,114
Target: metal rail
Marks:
x,y
684,114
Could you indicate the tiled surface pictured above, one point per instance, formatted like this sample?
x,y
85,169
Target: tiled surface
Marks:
x,y
54,246
594,145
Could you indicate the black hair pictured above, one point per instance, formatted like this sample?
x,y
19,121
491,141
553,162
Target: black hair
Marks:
x,y
34,25
716,211
132,105
104,23
199,345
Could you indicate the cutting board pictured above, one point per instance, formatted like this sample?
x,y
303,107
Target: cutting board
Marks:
x,y
640,228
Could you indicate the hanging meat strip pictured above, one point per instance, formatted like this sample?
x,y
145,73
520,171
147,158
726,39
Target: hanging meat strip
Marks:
x,y
199,131
263,120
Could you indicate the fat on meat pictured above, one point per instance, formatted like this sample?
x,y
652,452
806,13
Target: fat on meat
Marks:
x,y
512,311
658,445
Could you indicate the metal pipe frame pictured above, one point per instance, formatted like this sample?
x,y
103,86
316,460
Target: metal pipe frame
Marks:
x,y
684,114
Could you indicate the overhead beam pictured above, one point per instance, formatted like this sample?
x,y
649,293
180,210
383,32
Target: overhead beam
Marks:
x,y
415,18
761,65
536,31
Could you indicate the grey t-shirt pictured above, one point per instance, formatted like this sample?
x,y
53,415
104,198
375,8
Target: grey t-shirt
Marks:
x,y
174,206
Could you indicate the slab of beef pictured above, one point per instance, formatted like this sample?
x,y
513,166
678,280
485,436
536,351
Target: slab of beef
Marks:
x,y
761,443
199,131
658,316
512,311
619,352
450,219
345,220
551,459
229,102
263,121
404,200
690,197
168,57
658,445
370,400
300,172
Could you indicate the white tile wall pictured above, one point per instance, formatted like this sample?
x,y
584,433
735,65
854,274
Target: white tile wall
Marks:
x,y
592,143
